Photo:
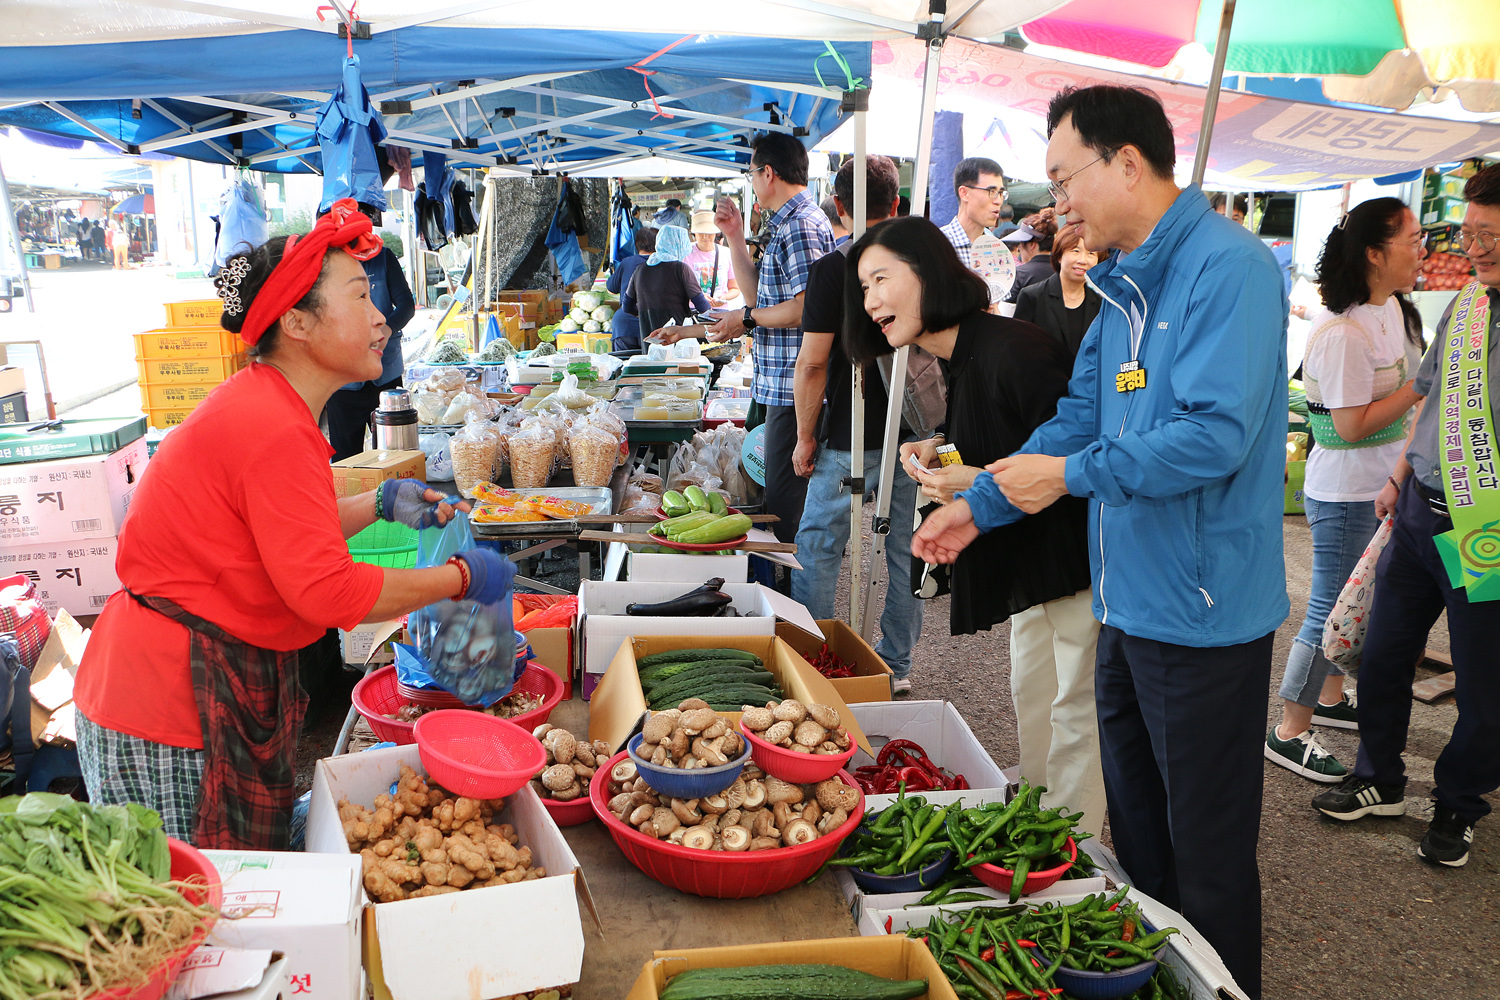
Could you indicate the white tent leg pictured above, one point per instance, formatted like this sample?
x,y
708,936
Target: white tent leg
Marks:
x,y
15,239
1211,98
888,455
856,480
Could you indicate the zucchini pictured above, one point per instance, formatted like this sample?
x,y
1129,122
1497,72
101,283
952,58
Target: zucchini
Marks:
x,y
674,504
696,498
689,655
697,519
716,503
722,530
789,982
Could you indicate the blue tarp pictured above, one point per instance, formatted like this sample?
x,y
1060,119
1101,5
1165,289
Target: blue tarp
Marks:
x,y
259,70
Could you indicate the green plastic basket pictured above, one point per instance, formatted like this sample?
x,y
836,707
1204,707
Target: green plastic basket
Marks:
x,y
385,543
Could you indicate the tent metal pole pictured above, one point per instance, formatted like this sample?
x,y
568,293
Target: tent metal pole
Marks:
x,y
856,480
1211,97
897,392
15,237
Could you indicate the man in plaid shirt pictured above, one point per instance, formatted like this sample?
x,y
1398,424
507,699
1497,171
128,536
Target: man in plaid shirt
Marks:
x,y
981,193
797,234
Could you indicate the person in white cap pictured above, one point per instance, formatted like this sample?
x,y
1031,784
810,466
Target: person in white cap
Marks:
x,y
1031,244
711,262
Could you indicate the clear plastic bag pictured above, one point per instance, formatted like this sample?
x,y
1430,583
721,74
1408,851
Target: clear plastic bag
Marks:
x,y
532,454
473,450
637,501
435,445
463,404
593,450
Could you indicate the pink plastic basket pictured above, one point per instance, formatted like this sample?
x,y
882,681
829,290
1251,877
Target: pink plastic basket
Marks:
x,y
1000,878
719,874
380,693
477,755
798,768
188,863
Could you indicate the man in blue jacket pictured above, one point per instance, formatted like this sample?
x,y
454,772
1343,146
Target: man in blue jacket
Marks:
x,y
1174,426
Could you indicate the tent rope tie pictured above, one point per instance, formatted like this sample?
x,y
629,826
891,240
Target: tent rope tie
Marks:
x,y
646,75
854,82
349,23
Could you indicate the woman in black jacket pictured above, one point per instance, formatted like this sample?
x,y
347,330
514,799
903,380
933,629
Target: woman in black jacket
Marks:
x,y
1063,305
906,286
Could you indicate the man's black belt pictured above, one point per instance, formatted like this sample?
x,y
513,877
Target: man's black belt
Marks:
x,y
1435,499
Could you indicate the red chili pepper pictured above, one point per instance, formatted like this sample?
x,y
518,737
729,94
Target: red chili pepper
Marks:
x,y
1025,943
888,925
916,779
889,751
988,954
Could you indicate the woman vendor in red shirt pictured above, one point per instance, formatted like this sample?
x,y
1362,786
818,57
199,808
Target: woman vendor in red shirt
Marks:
x,y
234,557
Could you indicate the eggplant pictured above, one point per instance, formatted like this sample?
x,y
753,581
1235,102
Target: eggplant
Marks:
x,y
704,602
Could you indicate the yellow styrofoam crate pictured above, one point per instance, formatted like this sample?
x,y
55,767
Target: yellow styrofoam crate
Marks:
x,y
194,312
167,416
174,395
199,342
204,369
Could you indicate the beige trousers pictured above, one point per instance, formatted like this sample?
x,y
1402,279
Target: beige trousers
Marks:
x,y
1052,685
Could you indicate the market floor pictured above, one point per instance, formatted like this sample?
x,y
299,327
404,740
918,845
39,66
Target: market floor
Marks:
x,y
1350,912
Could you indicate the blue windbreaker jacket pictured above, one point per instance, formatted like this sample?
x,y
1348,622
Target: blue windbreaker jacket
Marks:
x,y
1185,524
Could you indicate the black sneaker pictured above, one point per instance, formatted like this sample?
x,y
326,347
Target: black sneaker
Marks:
x,y
1447,840
1358,797
1344,715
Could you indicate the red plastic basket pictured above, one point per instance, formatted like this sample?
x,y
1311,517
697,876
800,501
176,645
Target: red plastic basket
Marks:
x,y
572,812
188,863
379,693
1000,878
719,874
798,768
477,755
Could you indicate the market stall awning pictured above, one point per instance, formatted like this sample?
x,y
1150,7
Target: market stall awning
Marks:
x,y
1260,143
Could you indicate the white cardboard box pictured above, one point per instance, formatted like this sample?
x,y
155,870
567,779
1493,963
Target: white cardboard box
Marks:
x,y
72,576
670,567
69,499
471,945
604,624
231,974
306,906
938,728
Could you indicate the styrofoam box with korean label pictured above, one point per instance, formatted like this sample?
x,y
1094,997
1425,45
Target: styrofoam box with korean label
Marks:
x,y
72,576
306,906
472,945
69,499
1188,953
604,623
686,568
938,728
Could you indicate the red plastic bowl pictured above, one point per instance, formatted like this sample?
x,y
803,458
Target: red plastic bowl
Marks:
x,y
1000,878
477,755
188,863
572,812
378,693
718,874
798,768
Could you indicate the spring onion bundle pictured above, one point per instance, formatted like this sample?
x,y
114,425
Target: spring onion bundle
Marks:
x,y
85,898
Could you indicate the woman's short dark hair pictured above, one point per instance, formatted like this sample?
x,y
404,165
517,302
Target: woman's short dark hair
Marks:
x,y
950,291
258,265
882,185
783,154
1344,264
1066,239
645,240
1108,117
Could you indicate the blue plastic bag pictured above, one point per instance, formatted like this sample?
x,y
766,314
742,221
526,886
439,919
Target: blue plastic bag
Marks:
x,y
464,647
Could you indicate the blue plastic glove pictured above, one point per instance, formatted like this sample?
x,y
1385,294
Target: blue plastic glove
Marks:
x,y
406,501
490,575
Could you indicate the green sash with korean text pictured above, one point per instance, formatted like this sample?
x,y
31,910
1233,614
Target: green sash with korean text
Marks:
x,y
1471,551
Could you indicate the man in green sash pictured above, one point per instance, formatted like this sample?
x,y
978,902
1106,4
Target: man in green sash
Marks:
x,y
1444,553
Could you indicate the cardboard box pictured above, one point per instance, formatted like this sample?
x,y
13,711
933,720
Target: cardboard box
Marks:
x,y
553,649
307,906
72,576
692,568
13,408
1438,211
888,956
872,678
12,380
230,974
367,470
69,500
619,702
938,728
473,945
603,622
366,644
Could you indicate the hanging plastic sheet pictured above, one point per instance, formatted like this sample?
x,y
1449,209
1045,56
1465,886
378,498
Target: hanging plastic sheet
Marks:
x,y
242,221
562,238
349,129
622,218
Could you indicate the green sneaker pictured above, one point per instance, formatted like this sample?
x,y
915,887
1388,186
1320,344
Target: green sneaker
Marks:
x,y
1303,755
1344,715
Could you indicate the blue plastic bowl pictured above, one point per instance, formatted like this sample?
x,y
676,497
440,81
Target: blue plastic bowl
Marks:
x,y
676,783
918,881
1112,985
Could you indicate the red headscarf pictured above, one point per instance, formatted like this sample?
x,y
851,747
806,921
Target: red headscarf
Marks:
x,y
344,227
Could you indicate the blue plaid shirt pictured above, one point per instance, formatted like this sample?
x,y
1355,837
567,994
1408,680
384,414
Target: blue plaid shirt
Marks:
x,y
799,235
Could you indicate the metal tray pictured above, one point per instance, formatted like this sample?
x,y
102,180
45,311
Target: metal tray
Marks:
x,y
601,499
622,411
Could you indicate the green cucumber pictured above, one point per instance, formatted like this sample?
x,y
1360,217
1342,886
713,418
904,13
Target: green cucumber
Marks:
x,y
691,684
696,498
789,982
694,655
658,671
653,676
722,530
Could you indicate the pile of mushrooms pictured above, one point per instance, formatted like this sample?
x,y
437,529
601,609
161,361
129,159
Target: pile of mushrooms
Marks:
x,y
799,728
756,813
691,735
571,762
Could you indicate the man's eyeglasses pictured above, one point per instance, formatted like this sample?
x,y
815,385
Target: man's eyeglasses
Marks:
x,y
1485,241
1056,189
994,193
753,170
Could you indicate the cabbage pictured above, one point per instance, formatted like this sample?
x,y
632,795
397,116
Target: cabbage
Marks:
x,y
587,301
592,327
579,315
603,314
569,325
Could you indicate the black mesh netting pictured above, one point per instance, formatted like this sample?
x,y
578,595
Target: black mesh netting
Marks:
x,y
516,254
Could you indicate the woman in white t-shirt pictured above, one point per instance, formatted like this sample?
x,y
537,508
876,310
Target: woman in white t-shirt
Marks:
x,y
1361,356
711,262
